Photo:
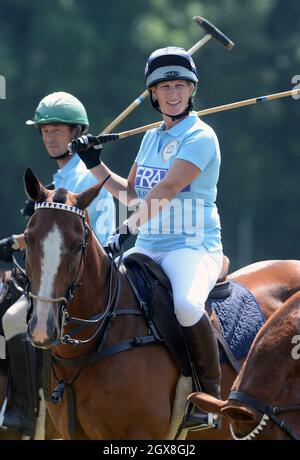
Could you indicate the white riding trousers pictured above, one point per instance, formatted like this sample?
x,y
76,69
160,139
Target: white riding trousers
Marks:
x,y
14,319
192,273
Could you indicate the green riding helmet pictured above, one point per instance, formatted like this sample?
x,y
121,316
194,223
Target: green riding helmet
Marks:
x,y
60,107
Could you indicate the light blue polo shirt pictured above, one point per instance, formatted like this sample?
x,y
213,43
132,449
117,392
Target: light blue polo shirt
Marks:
x,y
74,176
191,218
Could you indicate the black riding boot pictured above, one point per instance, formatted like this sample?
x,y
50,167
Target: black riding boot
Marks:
x,y
204,353
21,415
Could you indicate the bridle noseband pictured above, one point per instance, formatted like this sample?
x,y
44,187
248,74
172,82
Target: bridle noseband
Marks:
x,y
47,299
268,412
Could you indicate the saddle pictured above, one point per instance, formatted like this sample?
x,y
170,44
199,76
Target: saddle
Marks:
x,y
153,288
229,305
147,264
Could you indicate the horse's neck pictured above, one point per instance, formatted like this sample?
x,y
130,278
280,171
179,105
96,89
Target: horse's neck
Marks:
x,y
96,270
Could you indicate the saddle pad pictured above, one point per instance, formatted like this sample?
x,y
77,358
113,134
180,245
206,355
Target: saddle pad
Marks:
x,y
240,319
239,314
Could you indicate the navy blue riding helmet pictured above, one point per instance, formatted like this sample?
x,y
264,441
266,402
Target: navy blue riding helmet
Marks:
x,y
170,63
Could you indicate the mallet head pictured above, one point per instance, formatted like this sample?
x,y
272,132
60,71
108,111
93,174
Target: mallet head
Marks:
x,y
214,32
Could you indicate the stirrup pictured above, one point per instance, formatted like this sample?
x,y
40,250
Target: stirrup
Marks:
x,y
196,420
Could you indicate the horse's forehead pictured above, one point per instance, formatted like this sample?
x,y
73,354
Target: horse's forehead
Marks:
x,y
50,221
62,195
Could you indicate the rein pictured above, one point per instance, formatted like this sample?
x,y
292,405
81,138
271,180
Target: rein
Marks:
x,y
22,273
269,413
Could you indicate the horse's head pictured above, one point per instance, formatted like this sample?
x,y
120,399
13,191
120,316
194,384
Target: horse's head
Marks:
x,y
264,401
56,238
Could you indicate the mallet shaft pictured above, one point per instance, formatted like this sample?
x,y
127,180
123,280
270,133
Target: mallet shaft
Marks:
x,y
220,108
126,112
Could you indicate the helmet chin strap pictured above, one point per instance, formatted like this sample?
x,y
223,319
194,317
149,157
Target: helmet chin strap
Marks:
x,y
189,107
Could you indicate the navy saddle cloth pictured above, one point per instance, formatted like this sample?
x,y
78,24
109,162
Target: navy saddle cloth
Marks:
x,y
240,319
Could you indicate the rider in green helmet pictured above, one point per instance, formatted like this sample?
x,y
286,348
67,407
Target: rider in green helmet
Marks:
x,y
60,107
59,117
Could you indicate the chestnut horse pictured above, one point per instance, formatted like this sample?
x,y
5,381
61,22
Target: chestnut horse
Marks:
x,y
264,402
127,395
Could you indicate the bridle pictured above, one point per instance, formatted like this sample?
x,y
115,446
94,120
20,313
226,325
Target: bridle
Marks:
x,y
64,316
269,412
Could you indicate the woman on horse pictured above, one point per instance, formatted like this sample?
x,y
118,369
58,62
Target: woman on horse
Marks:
x,y
174,180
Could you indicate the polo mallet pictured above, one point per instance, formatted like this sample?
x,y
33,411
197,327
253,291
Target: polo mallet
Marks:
x,y
103,138
211,32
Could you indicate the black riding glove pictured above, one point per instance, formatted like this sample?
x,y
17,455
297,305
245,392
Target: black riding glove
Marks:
x,y
7,247
117,239
89,149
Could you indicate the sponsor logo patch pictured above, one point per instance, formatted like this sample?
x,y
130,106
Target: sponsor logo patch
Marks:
x,y
169,150
147,177
172,73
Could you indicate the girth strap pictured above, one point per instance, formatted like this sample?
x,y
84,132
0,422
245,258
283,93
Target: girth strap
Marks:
x,y
107,351
71,412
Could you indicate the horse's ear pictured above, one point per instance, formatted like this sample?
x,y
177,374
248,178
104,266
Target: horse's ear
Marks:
x,y
85,198
33,187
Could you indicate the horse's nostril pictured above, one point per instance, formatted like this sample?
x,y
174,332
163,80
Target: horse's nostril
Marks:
x,y
41,336
45,343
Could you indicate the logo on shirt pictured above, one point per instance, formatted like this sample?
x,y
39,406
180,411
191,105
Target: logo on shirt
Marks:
x,y
169,150
147,177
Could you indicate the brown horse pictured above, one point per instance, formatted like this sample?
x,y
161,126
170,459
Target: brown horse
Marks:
x,y
264,401
128,395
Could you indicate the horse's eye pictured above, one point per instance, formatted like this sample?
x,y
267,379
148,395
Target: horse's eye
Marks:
x,y
76,248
